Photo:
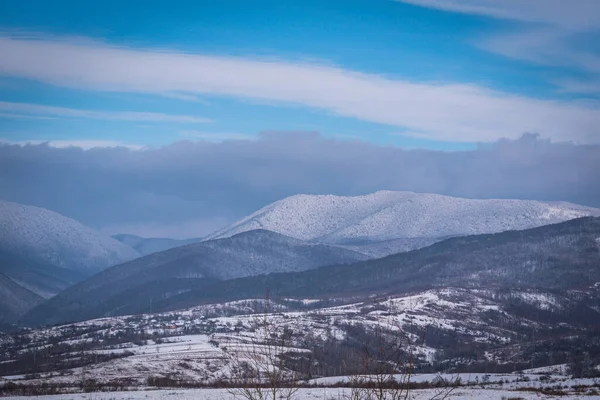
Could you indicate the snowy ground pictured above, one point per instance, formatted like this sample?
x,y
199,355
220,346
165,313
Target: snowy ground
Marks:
x,y
303,394
199,344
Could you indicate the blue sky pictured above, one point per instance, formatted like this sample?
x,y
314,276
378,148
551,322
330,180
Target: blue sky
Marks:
x,y
420,73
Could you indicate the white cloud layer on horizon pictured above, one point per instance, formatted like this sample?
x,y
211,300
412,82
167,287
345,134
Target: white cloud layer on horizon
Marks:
x,y
215,137
435,111
28,110
187,189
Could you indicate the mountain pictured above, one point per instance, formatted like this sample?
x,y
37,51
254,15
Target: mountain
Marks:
x,y
43,253
388,215
145,246
37,276
15,300
57,240
116,290
559,256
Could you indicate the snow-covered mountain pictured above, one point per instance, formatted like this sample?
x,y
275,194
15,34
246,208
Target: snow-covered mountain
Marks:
x,y
43,253
388,215
57,240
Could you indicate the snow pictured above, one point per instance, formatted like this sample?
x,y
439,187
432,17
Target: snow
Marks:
x,y
558,369
542,300
387,215
205,356
58,240
302,394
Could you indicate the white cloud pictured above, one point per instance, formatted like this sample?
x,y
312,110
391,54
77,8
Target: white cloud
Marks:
x,y
27,110
185,97
215,137
83,144
579,85
177,190
448,112
544,47
569,14
552,36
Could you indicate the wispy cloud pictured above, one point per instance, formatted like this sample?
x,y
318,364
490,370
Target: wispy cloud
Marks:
x,y
28,110
83,144
23,116
447,112
185,97
549,35
574,15
215,137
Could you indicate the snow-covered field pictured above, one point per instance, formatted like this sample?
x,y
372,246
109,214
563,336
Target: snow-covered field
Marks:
x,y
198,345
302,394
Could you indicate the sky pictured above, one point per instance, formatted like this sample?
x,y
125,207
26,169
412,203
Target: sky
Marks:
x,y
175,118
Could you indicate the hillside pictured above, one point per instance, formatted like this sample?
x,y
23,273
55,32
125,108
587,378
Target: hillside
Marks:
x,y
388,215
559,256
43,253
15,300
450,329
117,289
57,240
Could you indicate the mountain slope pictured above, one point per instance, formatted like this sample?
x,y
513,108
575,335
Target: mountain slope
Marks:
x,y
15,300
390,215
57,240
116,289
145,246
559,256
39,277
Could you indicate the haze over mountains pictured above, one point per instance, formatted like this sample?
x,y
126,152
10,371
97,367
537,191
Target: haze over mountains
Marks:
x,y
145,246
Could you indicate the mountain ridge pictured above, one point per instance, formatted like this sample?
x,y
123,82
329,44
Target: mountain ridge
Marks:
x,y
389,215
57,240
246,254
562,255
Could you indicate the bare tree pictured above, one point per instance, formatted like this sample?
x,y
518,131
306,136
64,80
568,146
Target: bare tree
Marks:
x,y
261,366
388,362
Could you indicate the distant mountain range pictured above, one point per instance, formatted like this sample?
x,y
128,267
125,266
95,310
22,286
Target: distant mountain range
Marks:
x,y
145,246
406,220
246,254
43,253
560,256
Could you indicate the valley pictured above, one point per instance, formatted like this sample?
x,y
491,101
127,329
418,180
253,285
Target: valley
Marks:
x,y
492,312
